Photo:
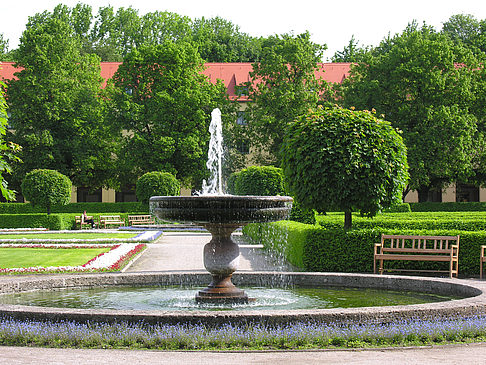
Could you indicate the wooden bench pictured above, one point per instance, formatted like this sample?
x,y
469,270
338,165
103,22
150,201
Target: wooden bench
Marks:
x,y
483,259
111,220
134,220
81,223
418,248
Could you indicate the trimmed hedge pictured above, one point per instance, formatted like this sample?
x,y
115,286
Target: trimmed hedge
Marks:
x,y
259,180
51,222
124,207
267,180
287,238
399,208
448,207
55,221
462,221
157,183
314,248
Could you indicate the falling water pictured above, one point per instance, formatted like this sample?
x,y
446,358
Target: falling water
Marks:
x,y
215,153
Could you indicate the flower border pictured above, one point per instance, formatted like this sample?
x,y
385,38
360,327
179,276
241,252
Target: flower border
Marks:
x,y
118,265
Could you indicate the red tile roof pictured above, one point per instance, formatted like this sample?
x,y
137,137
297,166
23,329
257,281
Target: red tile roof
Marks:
x,y
231,74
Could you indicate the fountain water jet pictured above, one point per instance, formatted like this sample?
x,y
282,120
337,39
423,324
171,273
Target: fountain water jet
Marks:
x,y
220,215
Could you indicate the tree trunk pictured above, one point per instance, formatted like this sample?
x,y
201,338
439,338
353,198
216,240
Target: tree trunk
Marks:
x,y
348,220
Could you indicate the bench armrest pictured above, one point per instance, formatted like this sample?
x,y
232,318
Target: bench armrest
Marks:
x,y
377,247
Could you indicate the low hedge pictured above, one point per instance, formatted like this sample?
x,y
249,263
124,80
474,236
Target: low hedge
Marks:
x,y
340,250
448,207
35,220
124,207
463,221
55,221
287,238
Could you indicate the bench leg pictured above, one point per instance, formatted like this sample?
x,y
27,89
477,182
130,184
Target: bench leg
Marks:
x,y
481,268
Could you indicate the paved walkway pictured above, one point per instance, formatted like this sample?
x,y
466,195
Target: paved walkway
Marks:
x,y
183,251
176,251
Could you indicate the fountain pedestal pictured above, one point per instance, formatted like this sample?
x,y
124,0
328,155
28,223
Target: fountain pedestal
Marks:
x,y
221,259
221,215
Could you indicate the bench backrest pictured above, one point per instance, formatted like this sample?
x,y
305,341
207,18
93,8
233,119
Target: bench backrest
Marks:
x,y
110,217
139,217
418,243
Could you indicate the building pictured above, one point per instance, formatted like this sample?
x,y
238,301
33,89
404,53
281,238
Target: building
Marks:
x,y
232,75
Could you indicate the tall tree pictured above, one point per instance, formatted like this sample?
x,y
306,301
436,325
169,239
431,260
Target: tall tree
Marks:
x,y
219,40
424,84
466,30
162,99
351,53
56,108
8,150
283,86
5,54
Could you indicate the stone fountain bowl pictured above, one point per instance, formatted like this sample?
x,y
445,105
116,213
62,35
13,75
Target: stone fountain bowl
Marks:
x,y
221,209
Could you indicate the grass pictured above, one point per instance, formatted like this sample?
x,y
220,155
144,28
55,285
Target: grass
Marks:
x,y
68,235
46,257
248,337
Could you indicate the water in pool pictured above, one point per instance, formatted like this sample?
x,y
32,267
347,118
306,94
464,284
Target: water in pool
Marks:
x,y
182,298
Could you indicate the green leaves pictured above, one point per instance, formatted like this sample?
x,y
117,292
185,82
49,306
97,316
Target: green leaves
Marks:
x,y
56,106
427,86
46,188
338,159
161,97
283,87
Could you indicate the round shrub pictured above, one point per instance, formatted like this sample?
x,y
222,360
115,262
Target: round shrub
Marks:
x,y
157,183
260,180
46,188
267,181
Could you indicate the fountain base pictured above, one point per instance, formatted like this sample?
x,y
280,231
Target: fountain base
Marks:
x,y
222,291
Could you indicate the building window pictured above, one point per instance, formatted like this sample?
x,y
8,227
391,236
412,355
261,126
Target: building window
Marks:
x,y
241,120
467,193
126,194
427,195
85,195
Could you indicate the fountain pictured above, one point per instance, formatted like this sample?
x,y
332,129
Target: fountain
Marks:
x,y
220,214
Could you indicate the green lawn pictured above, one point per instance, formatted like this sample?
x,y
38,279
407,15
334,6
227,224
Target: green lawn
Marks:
x,y
30,257
68,235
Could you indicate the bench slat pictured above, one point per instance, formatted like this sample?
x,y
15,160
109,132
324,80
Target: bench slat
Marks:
x,y
416,250
413,257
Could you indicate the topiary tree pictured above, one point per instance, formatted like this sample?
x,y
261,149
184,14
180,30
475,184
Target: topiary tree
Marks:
x,y
259,180
340,159
46,188
268,180
157,183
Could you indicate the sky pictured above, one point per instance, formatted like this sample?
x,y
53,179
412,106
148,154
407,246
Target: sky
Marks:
x,y
329,22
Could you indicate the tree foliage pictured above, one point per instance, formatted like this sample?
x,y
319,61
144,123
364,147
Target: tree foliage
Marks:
x,y
426,86
161,97
114,33
466,30
8,150
46,188
157,183
338,159
283,86
57,108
